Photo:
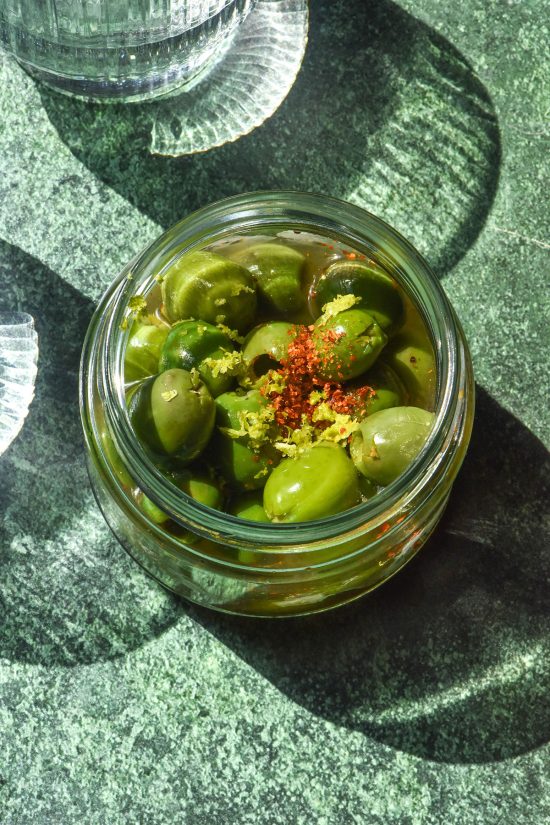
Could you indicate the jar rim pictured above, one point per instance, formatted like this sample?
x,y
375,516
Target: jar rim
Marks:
x,y
322,214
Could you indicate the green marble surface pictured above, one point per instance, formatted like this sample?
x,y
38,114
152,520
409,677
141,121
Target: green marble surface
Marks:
x,y
426,702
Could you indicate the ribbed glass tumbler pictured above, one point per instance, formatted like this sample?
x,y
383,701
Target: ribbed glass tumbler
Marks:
x,y
119,49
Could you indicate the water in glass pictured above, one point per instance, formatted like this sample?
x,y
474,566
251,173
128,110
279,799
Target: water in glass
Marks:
x,y
118,49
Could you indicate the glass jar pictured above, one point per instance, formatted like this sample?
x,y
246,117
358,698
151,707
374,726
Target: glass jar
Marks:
x,y
249,568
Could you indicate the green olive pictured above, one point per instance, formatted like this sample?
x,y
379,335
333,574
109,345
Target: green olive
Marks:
x,y
347,344
265,347
367,487
387,391
244,464
115,461
378,292
412,359
388,441
152,511
320,482
173,414
187,346
197,485
143,350
278,271
210,287
249,506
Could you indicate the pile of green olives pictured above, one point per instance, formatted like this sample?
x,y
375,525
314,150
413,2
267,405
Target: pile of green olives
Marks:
x,y
231,336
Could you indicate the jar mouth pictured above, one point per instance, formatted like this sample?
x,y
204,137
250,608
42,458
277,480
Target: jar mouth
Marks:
x,y
291,210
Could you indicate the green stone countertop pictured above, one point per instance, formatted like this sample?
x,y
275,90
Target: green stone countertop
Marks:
x,y
426,702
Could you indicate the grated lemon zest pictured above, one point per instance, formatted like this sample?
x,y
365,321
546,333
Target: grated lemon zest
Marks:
x,y
232,334
271,382
256,426
229,363
137,304
340,304
240,288
316,396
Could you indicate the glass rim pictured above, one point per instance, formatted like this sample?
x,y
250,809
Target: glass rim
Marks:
x,y
251,210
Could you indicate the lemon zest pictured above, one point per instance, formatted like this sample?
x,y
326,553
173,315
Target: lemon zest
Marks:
x,y
297,441
271,382
229,363
316,396
341,426
232,334
238,289
195,378
339,304
137,304
256,426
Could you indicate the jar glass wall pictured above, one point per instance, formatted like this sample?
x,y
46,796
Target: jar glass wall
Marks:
x,y
249,568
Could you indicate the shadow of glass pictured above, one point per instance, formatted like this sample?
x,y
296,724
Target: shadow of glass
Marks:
x,y
68,594
385,112
449,660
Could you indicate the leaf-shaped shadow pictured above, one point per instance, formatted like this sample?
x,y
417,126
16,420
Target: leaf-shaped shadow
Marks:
x,y
384,112
68,594
450,660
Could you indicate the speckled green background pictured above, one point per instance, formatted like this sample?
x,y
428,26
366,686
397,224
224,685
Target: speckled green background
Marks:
x,y
425,703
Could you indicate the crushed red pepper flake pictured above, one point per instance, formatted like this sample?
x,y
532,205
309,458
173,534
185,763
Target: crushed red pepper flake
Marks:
x,y
300,378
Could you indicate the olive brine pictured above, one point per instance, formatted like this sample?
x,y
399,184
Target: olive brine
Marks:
x,y
281,378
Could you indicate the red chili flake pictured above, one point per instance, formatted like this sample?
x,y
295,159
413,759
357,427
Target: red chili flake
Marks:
x,y
300,374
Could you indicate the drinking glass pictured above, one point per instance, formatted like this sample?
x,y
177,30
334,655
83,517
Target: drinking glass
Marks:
x,y
18,367
119,49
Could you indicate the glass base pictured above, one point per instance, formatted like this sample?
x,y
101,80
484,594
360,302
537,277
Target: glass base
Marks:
x,y
131,90
239,94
